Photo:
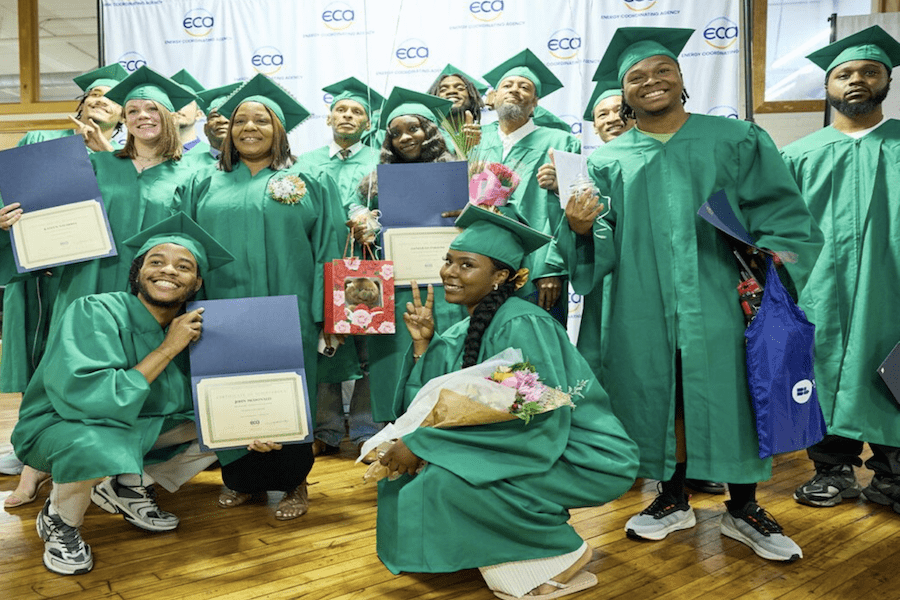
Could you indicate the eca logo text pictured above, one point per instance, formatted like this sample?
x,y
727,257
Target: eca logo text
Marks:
x,y
132,61
721,33
412,53
486,10
338,16
198,22
574,124
639,5
564,44
267,60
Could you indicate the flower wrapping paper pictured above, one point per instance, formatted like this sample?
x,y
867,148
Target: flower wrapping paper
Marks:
x,y
359,297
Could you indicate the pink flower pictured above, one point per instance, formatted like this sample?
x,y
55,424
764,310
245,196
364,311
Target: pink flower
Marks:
x,y
337,296
387,271
342,327
361,318
386,327
371,330
352,263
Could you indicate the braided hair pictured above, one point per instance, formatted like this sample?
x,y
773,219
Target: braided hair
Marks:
x,y
484,314
626,112
474,104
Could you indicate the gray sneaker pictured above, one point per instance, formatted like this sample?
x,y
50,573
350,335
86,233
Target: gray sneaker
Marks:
x,y
759,530
10,464
884,489
831,484
137,504
662,517
65,552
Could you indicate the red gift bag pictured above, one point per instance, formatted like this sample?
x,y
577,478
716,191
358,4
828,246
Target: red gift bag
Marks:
x,y
359,296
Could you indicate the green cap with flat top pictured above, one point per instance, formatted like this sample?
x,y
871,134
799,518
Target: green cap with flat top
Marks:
x,y
403,101
211,99
109,76
525,64
503,237
631,45
354,89
268,93
873,43
180,229
187,80
544,118
449,70
147,84
602,91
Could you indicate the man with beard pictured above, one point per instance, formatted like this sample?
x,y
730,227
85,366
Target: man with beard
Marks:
x,y
114,385
848,175
465,115
517,142
675,361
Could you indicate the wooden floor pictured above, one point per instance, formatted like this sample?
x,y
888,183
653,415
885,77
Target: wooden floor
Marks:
x,y
851,551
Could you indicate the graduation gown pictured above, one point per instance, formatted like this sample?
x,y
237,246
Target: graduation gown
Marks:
x,y
674,285
852,187
87,412
502,492
278,248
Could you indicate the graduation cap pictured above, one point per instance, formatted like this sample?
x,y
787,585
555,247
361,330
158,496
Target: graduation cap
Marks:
x,y
503,237
211,99
526,64
180,229
354,89
449,70
631,45
147,84
408,102
873,43
268,93
184,78
108,76
544,118
602,91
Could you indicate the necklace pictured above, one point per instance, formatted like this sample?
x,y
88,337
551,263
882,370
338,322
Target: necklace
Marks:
x,y
142,163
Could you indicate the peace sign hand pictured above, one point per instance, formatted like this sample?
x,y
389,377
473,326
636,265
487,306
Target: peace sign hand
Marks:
x,y
420,319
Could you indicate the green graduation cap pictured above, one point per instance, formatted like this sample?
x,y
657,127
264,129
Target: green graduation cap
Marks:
x,y
211,99
180,229
354,89
480,86
188,81
408,102
498,236
109,76
147,84
525,64
544,118
602,91
268,93
631,45
873,43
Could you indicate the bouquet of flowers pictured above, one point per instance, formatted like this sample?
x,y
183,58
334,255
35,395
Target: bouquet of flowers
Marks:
x,y
502,388
492,183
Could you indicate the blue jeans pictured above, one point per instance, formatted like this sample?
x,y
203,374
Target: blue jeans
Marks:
x,y
330,412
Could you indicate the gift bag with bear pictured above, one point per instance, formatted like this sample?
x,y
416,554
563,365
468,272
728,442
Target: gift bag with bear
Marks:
x,y
359,296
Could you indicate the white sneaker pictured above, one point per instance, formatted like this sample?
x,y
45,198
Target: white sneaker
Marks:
x,y
65,552
759,530
662,517
10,464
137,504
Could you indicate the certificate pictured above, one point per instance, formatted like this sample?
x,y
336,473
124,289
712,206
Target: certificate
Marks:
x,y
62,234
233,411
418,252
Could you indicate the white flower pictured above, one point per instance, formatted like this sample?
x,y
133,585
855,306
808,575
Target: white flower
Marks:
x,y
386,327
337,296
361,318
352,263
288,189
342,327
387,271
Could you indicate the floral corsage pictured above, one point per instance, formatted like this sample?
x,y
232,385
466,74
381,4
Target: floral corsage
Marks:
x,y
288,189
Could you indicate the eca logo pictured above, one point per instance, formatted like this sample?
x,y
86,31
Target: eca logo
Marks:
x,y
486,10
564,44
198,22
721,33
267,60
802,391
723,111
639,5
132,61
412,53
327,99
574,124
338,16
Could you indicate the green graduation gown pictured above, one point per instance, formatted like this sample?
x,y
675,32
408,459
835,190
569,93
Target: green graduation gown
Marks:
x,y
278,248
87,412
498,493
674,286
852,187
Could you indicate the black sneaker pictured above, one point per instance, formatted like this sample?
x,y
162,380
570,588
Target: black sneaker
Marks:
x,y
65,552
137,504
758,529
664,515
884,489
831,484
702,485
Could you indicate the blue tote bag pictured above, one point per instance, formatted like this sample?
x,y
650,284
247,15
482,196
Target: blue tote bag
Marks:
x,y
780,345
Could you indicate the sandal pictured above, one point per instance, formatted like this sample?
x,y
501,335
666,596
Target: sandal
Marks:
x,y
230,498
294,504
17,499
581,581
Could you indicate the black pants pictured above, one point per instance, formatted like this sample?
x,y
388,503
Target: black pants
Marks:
x,y
279,470
837,450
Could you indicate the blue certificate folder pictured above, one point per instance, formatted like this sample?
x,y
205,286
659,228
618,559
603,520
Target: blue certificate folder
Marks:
x,y
718,212
47,175
249,336
415,194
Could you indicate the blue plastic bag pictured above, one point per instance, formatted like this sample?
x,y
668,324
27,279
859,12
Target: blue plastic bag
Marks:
x,y
780,373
